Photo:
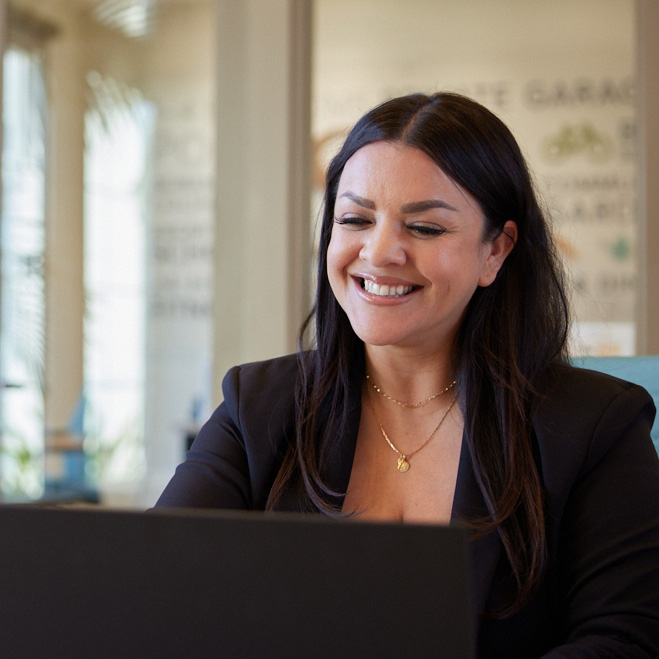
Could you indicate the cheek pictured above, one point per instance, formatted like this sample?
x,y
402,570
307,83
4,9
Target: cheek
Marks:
x,y
331,256
454,271
340,252
334,263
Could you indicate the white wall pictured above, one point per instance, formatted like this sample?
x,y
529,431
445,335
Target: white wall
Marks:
x,y
544,67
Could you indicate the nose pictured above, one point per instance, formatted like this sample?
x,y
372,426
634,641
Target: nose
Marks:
x,y
382,246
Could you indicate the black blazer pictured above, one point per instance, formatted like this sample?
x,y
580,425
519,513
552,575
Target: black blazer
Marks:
x,y
600,472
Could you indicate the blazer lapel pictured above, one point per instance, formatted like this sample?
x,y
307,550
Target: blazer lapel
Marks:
x,y
484,552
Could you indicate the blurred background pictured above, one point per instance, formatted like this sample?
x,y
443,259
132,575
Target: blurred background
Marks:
x,y
162,171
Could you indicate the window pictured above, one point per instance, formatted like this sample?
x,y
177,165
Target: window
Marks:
x,y
118,129
22,278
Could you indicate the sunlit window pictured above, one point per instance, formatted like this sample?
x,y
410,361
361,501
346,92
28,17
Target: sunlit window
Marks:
x,y
118,129
22,283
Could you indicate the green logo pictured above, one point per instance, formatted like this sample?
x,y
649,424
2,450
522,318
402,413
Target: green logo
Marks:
x,y
580,140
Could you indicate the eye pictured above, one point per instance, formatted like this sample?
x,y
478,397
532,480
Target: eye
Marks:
x,y
426,230
352,221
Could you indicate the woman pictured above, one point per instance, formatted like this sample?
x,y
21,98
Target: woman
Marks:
x,y
438,390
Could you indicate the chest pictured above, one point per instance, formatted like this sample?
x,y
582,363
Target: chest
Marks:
x,y
424,493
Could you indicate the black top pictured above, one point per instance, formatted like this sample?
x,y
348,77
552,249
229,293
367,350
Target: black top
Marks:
x,y
600,473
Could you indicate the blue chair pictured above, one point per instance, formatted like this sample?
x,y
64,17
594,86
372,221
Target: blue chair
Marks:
x,y
643,370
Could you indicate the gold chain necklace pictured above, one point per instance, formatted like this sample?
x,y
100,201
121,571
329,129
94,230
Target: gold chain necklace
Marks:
x,y
403,462
370,383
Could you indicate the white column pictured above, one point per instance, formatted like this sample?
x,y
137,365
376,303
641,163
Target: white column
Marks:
x,y
65,298
263,179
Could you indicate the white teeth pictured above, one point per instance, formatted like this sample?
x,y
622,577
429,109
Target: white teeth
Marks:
x,y
386,291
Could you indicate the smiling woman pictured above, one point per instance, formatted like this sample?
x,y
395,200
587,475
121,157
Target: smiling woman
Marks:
x,y
408,248
438,390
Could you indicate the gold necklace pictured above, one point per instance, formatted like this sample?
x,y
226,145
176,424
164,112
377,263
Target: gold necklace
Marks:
x,y
403,461
370,383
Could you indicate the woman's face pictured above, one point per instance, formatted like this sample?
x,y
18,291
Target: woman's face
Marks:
x,y
407,251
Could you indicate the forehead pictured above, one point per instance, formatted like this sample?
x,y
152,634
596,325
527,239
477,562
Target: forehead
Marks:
x,y
391,172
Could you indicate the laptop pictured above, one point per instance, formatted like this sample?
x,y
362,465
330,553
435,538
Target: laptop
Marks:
x,y
104,583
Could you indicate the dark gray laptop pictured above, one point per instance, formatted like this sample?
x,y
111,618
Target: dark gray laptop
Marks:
x,y
96,583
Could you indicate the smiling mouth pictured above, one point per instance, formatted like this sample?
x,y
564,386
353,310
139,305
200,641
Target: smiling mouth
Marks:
x,y
386,291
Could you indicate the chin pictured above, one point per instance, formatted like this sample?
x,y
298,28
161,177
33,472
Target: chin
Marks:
x,y
378,338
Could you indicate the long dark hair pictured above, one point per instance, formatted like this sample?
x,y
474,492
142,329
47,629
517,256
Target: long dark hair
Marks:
x,y
512,332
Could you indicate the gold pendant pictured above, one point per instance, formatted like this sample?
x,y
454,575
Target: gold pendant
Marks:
x,y
403,464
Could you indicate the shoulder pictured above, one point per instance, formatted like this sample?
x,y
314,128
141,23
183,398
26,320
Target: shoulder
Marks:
x,y
257,389
583,414
580,396
255,422
271,373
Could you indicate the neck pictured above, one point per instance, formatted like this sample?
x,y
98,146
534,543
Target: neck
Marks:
x,y
409,375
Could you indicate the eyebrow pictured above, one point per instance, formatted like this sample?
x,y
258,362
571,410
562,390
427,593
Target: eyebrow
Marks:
x,y
420,206
412,207
360,201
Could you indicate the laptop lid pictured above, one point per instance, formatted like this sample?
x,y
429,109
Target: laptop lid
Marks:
x,y
100,583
